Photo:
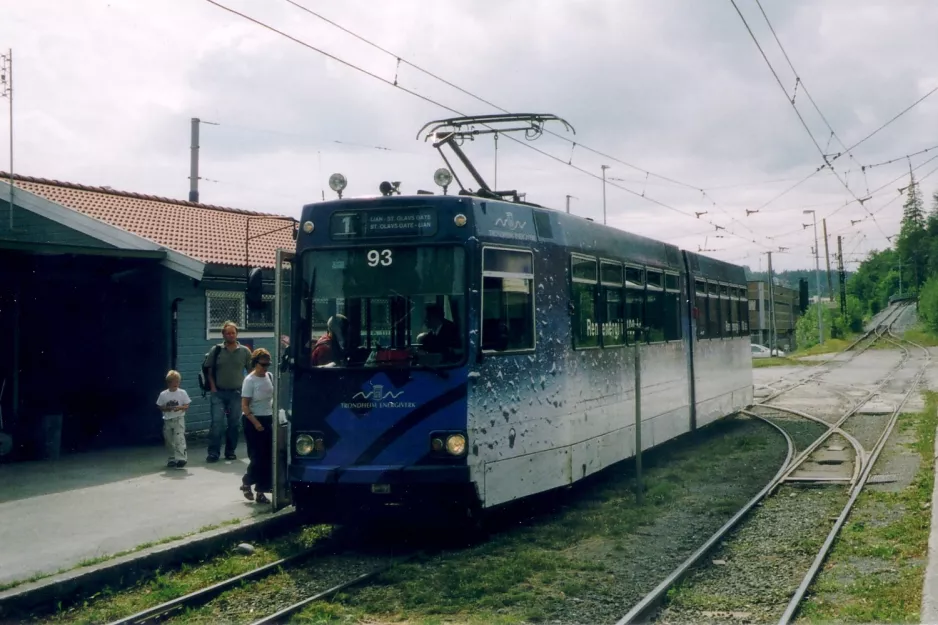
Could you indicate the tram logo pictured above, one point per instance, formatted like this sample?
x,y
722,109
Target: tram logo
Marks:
x,y
509,221
377,398
377,394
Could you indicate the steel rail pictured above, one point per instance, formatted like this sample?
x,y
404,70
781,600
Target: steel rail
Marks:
x,y
855,493
651,599
819,367
282,615
204,595
831,429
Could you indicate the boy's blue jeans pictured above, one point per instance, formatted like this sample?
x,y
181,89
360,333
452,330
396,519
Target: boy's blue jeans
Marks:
x,y
220,402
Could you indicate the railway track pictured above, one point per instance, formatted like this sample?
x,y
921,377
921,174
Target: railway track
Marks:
x,y
795,470
325,569
857,347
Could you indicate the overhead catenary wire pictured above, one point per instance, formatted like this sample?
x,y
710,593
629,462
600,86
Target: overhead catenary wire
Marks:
x,y
429,100
404,61
897,116
798,78
897,159
791,101
847,149
872,195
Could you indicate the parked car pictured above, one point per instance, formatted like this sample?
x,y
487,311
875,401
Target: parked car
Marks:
x,y
761,351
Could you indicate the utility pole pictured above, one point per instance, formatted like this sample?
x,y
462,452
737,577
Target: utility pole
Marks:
x,y
773,337
817,277
194,162
604,167
843,278
827,257
6,91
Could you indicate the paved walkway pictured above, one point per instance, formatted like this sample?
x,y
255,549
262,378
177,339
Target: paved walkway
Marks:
x,y
54,515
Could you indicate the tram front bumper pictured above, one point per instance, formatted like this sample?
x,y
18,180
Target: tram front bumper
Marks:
x,y
344,493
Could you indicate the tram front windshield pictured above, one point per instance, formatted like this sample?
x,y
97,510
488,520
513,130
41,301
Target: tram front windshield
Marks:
x,y
389,306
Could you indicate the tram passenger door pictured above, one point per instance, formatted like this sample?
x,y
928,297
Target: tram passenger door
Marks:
x,y
283,377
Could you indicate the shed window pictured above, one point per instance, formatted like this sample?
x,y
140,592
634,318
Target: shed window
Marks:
x,y
586,323
507,300
224,306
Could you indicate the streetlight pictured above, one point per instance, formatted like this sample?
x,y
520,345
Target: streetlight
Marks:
x,y
817,275
568,201
605,167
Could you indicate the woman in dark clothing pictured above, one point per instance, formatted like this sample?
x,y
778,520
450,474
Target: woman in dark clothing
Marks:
x,y
257,399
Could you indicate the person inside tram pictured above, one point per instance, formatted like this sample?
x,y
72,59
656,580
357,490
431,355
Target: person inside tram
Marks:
x,y
330,348
442,336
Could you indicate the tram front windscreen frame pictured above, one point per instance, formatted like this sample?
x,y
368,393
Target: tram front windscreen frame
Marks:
x,y
391,298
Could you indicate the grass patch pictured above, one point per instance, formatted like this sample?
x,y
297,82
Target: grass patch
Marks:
x,y
830,346
777,361
875,571
573,556
921,335
112,556
109,605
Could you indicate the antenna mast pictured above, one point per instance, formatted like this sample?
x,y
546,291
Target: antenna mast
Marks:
x,y
6,91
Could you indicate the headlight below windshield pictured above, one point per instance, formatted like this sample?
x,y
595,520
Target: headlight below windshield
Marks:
x,y
456,444
304,445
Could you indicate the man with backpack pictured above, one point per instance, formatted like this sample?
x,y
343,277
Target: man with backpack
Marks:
x,y
223,371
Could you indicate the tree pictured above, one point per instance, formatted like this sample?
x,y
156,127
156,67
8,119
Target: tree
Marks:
x,y
928,303
875,280
912,244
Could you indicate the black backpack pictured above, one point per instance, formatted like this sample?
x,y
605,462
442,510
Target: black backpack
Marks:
x,y
203,374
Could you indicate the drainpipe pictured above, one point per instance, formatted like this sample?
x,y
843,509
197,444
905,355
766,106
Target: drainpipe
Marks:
x,y
174,345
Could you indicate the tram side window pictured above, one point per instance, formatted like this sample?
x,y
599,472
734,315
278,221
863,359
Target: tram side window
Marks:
x,y
584,289
507,300
743,313
612,279
672,307
654,305
634,301
734,311
725,322
700,303
713,311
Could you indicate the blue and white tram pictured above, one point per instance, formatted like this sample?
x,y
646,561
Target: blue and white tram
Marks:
x,y
480,352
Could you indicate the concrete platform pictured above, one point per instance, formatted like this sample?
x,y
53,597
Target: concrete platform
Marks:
x,y
55,515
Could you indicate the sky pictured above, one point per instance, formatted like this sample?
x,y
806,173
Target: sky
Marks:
x,y
674,93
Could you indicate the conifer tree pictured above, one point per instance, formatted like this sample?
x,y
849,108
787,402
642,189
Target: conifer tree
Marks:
x,y
912,244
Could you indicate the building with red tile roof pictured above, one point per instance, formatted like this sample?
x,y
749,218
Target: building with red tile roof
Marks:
x,y
105,291
211,234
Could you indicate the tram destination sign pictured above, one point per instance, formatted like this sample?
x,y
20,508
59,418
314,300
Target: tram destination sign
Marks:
x,y
372,224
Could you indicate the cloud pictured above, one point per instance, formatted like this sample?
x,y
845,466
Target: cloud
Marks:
x,y
105,91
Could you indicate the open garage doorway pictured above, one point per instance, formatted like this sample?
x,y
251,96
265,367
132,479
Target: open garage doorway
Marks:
x,y
87,342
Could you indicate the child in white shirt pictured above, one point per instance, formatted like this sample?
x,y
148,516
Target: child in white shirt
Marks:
x,y
173,402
